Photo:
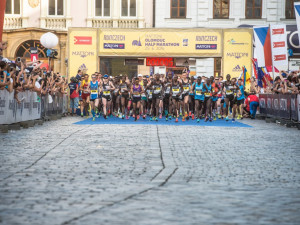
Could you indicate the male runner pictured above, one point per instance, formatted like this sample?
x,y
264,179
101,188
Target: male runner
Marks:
x,y
106,88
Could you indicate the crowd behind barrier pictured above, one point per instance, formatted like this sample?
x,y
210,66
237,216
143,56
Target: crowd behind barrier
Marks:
x,y
280,106
32,107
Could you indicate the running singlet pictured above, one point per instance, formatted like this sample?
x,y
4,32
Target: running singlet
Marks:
x,y
106,89
124,89
229,90
207,90
242,96
116,91
136,91
198,92
175,90
85,88
94,90
168,89
149,93
157,89
186,87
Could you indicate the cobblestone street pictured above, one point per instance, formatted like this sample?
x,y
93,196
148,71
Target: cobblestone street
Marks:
x,y
63,173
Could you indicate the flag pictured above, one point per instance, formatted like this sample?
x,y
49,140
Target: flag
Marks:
x,y
269,69
262,45
297,13
260,78
246,76
255,67
267,75
279,45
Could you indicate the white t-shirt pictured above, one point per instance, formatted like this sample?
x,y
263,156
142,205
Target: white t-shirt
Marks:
x,y
37,84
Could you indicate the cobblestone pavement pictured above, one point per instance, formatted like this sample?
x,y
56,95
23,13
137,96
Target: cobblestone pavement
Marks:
x,y
62,173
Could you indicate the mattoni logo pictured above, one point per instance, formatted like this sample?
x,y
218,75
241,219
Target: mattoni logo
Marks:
x,y
82,40
237,55
237,69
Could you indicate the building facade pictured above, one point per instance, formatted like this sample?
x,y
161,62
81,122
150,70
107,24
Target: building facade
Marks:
x,y
223,14
26,20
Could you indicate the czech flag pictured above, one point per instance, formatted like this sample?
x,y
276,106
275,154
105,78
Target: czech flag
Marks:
x,y
297,13
262,49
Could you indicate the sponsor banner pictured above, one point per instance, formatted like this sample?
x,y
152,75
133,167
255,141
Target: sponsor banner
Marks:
x,y
298,106
169,62
279,46
82,51
293,39
12,112
161,42
237,51
294,108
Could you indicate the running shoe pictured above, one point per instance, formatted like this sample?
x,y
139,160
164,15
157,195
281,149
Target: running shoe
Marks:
x,y
123,117
166,113
183,119
166,118
144,116
219,116
210,119
170,117
198,120
127,117
133,116
104,116
193,116
242,117
222,117
150,118
190,114
160,116
187,118
227,118
138,117
206,119
215,118
180,114
176,121
233,120
238,117
81,115
94,118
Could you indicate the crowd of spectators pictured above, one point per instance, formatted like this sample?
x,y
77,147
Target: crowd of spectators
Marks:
x,y
19,76
284,83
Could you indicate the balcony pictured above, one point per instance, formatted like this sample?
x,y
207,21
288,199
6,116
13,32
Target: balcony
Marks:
x,y
56,23
13,22
115,23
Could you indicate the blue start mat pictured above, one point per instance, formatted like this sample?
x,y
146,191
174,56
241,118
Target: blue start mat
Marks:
x,y
141,121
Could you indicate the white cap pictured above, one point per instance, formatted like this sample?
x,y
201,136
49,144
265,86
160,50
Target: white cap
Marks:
x,y
110,77
140,75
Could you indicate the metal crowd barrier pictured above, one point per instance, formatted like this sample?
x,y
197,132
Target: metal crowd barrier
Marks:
x,y
32,107
279,106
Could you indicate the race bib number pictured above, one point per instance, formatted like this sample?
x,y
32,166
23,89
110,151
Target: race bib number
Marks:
x,y
229,92
106,92
176,90
186,88
198,92
94,91
207,94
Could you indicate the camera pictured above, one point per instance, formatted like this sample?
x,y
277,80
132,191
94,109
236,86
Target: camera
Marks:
x,y
19,59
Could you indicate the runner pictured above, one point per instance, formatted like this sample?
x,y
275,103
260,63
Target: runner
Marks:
x,y
240,99
124,90
167,98
176,91
199,98
157,87
207,89
149,94
136,91
85,95
214,95
94,85
116,99
185,96
144,99
230,89
192,99
106,88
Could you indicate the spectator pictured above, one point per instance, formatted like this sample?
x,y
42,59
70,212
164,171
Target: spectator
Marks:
x,y
74,95
252,103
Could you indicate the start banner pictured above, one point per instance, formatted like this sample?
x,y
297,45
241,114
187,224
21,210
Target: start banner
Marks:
x,y
161,42
82,50
237,51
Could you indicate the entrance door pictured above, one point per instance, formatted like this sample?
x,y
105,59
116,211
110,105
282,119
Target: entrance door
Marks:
x,y
217,67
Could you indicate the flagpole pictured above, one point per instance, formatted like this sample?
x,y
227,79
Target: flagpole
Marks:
x,y
273,72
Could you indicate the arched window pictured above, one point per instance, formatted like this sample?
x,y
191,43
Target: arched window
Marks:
x,y
24,49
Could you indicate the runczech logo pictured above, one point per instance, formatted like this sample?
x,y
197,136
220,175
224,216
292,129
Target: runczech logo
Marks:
x,y
233,42
136,42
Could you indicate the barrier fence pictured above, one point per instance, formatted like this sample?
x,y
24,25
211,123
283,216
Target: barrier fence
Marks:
x,y
32,107
280,106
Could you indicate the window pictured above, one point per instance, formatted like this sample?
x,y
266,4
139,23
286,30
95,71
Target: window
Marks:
x,y
12,7
178,8
289,9
56,7
128,8
253,9
24,49
102,8
221,9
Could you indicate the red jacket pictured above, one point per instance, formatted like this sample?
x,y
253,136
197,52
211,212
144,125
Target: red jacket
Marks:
x,y
251,98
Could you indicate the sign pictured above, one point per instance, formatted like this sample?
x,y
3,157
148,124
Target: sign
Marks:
x,y
161,42
169,62
237,51
82,50
34,54
134,62
82,40
293,39
279,46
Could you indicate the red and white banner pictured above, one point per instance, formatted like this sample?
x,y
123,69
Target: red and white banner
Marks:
x,y
279,46
82,40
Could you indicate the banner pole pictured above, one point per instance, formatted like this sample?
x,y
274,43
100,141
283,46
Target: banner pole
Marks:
x,y
272,52
2,12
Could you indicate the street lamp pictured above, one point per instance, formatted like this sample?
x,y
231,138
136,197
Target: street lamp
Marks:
x,y
49,40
